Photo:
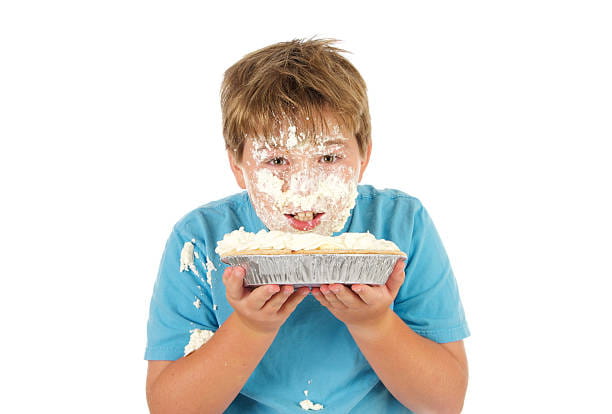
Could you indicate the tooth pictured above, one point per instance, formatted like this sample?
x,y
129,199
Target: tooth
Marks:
x,y
305,215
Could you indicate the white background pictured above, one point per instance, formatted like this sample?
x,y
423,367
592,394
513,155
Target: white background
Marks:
x,y
494,114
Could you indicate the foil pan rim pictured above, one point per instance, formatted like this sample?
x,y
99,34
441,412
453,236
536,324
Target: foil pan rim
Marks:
x,y
314,270
296,255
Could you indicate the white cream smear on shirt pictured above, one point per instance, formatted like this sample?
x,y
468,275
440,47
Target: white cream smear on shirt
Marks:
x,y
308,405
209,268
198,338
187,258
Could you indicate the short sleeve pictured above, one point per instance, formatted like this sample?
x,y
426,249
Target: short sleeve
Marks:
x,y
181,301
429,301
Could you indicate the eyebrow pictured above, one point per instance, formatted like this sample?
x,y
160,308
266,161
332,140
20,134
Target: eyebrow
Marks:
x,y
333,142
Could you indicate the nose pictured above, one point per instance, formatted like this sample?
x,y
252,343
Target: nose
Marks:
x,y
301,182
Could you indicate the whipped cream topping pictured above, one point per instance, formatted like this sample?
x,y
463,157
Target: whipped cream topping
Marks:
x,y
240,240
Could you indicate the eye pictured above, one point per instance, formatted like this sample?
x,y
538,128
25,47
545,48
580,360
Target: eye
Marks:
x,y
277,161
329,158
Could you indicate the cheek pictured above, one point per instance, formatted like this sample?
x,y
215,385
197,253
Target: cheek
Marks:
x,y
346,172
263,185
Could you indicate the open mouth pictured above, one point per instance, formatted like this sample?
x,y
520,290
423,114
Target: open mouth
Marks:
x,y
304,220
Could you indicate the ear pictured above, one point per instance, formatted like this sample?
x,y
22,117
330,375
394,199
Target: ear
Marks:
x,y
364,161
235,166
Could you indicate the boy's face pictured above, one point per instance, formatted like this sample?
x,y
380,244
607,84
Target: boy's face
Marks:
x,y
301,183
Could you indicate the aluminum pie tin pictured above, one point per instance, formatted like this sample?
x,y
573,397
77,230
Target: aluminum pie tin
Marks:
x,y
315,269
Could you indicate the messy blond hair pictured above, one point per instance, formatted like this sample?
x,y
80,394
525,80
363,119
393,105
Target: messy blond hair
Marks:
x,y
295,82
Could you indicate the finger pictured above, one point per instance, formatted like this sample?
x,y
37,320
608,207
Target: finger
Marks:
x,y
368,294
258,297
294,300
233,278
321,298
277,300
316,292
396,279
345,295
331,297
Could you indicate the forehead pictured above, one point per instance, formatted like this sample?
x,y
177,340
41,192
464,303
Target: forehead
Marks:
x,y
293,137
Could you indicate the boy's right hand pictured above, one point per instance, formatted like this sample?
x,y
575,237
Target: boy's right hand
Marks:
x,y
265,308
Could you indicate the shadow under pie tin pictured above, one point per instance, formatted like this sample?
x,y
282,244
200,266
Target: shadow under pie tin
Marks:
x,y
314,268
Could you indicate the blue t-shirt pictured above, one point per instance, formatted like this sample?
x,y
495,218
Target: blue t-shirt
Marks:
x,y
313,353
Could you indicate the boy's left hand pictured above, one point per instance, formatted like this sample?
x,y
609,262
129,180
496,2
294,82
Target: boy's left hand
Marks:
x,y
361,305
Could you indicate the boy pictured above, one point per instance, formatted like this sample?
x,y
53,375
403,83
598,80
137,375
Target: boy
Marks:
x,y
297,130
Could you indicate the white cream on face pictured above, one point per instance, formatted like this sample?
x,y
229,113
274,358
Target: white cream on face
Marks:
x,y
294,174
308,190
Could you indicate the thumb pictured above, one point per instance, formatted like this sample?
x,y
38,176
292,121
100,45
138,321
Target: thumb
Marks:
x,y
233,278
396,279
